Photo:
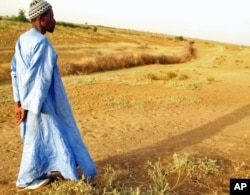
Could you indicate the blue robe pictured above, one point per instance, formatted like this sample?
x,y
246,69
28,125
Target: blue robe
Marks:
x,y
51,139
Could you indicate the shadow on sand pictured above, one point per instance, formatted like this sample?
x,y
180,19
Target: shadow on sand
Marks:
x,y
169,146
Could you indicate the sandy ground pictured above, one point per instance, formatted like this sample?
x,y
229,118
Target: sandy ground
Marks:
x,y
127,117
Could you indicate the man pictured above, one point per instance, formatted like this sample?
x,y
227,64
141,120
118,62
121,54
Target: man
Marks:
x,y
51,139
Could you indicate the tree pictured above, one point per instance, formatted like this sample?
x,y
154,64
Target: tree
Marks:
x,y
21,16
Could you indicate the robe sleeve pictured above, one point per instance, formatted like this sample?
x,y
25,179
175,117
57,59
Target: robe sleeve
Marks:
x,y
37,78
14,80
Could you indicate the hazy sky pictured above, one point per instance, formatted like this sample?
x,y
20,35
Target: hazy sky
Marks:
x,y
219,20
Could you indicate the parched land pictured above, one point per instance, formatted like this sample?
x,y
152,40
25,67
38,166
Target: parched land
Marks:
x,y
131,111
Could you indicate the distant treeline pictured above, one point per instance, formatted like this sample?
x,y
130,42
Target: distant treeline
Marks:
x,y
73,25
22,18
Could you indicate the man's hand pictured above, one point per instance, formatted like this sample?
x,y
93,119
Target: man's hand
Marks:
x,y
21,113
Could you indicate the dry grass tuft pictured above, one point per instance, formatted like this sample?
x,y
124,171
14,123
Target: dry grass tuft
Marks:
x,y
126,60
173,177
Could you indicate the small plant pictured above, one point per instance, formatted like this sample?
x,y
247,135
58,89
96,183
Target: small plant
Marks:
x,y
179,38
201,167
69,187
110,175
159,176
171,75
182,167
152,76
183,77
238,166
210,79
95,29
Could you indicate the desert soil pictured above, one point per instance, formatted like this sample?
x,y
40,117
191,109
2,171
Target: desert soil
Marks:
x,y
127,117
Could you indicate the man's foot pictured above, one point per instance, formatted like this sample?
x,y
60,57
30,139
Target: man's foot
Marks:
x,y
37,184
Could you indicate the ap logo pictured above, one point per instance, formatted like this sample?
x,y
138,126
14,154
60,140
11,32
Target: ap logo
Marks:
x,y
239,186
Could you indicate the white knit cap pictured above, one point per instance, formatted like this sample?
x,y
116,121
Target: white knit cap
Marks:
x,y
38,7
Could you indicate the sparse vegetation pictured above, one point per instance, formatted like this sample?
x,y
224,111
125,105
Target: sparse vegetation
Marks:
x,y
94,63
165,178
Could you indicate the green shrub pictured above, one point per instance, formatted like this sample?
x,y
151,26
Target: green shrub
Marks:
x,y
179,38
21,16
